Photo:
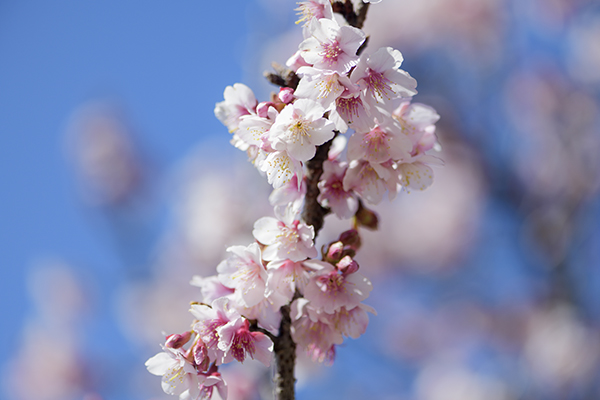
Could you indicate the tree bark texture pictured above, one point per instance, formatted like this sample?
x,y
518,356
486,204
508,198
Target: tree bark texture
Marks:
x,y
285,358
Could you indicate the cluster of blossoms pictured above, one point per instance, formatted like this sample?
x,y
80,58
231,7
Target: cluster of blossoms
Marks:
x,y
331,88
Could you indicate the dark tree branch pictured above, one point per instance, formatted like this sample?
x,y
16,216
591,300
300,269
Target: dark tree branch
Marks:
x,y
285,358
313,214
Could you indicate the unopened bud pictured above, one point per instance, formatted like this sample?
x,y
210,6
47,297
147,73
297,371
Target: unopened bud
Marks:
x,y
262,109
201,355
334,253
175,341
347,265
286,95
350,239
367,218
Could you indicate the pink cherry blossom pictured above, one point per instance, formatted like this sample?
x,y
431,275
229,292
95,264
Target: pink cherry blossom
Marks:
x,y
211,288
244,272
314,9
280,168
330,46
266,313
179,376
290,195
299,128
296,61
239,101
332,194
353,323
285,238
317,337
418,123
236,341
416,175
351,112
322,86
284,277
382,143
210,318
379,75
212,380
331,290
253,130
367,179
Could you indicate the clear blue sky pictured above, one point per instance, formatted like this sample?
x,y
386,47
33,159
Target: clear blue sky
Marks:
x,y
165,63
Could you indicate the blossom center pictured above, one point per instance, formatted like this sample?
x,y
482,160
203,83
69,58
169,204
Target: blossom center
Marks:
x,y
331,52
299,130
332,283
379,84
349,107
375,141
242,342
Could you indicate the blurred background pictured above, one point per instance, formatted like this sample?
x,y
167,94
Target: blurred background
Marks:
x,y
119,185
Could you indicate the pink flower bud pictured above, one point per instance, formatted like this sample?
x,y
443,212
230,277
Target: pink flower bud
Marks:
x,y
201,355
175,341
334,253
286,95
350,239
262,110
347,265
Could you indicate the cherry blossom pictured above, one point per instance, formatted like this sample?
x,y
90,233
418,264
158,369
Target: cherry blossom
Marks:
x,y
239,101
380,77
236,341
351,112
321,86
244,272
353,323
416,175
285,238
331,290
314,9
342,203
281,168
300,128
210,318
179,376
367,179
290,195
330,46
211,288
380,144
212,380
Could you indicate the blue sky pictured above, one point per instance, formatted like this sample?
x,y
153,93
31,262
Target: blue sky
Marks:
x,y
165,63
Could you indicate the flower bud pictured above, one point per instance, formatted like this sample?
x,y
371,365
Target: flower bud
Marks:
x,y
367,218
350,239
347,265
175,341
262,109
201,355
334,252
286,95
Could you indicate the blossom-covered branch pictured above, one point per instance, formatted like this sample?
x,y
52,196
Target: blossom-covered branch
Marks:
x,y
342,131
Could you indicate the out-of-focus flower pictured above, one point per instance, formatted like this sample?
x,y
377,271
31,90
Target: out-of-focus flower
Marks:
x,y
559,350
49,361
105,154
449,380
